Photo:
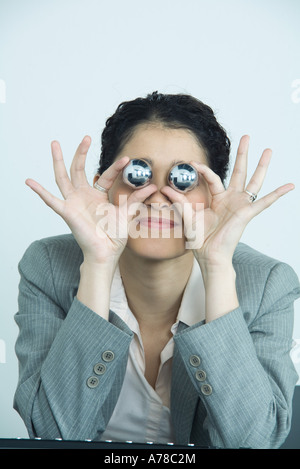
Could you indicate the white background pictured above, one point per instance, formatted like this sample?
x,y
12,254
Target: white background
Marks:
x,y
65,65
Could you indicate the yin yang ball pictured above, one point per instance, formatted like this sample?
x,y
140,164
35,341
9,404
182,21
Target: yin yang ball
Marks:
x,y
183,177
137,173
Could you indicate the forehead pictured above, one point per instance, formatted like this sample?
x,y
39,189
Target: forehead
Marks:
x,y
158,144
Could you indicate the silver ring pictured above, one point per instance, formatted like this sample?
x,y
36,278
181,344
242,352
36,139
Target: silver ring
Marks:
x,y
100,188
253,197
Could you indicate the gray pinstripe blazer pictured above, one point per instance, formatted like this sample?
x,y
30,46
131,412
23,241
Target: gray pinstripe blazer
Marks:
x,y
245,355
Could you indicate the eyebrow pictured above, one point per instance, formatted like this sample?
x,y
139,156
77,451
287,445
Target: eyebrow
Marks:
x,y
173,163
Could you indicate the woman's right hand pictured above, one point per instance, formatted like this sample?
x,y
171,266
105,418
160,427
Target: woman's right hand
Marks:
x,y
84,207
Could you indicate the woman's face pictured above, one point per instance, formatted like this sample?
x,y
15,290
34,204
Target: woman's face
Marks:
x,y
155,231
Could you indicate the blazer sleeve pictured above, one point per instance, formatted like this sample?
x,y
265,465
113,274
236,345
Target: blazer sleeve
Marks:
x,y
248,368
57,352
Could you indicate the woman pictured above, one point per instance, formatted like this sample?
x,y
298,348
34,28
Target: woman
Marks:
x,y
139,337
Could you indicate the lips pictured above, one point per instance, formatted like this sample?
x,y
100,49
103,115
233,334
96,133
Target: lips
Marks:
x,y
159,223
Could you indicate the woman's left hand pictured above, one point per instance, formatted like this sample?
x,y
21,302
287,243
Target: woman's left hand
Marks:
x,y
229,210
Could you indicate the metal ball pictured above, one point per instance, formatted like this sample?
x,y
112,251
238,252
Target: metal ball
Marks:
x,y
137,173
183,177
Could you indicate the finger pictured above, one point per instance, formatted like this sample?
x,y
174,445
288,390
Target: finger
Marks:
x,y
61,176
140,195
190,213
49,199
259,175
239,173
109,176
180,199
270,198
180,203
214,182
134,202
77,170
174,196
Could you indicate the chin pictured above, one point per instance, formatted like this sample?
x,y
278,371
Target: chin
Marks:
x,y
157,249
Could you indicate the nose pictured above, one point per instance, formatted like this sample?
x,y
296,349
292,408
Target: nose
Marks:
x,y
159,178
158,198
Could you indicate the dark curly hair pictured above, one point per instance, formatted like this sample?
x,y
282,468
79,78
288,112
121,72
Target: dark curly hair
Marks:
x,y
173,111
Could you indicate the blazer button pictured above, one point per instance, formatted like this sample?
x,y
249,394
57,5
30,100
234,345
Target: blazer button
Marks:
x,y
195,360
200,375
99,368
206,389
108,356
92,382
